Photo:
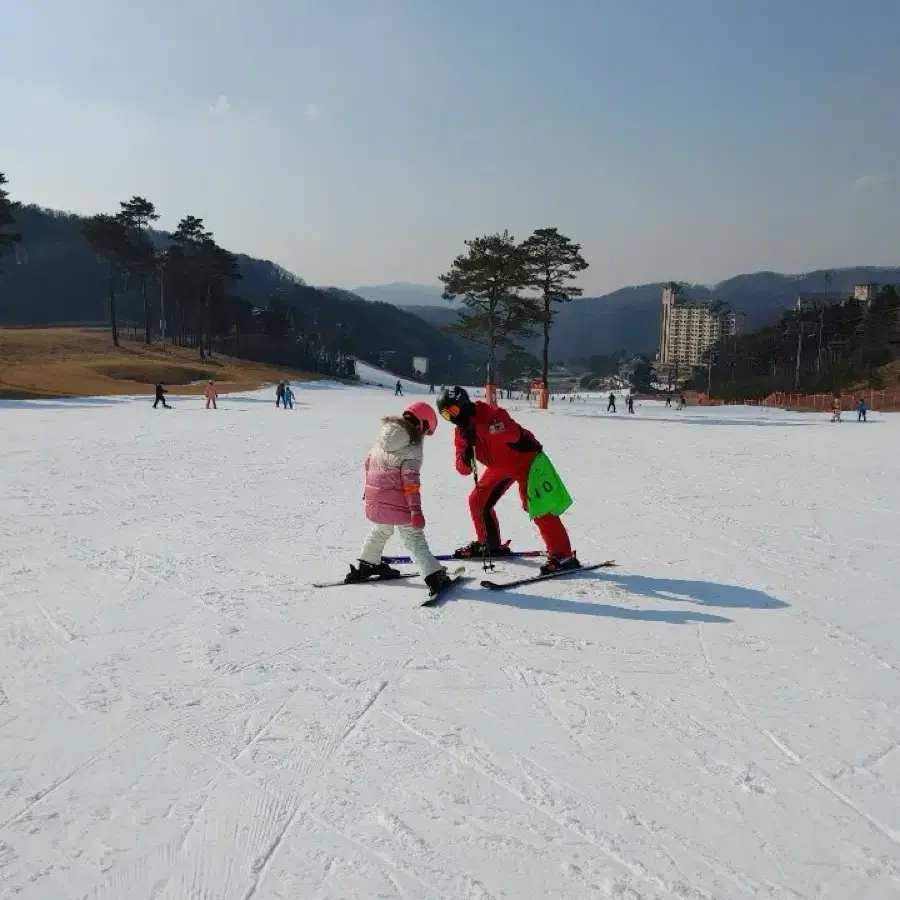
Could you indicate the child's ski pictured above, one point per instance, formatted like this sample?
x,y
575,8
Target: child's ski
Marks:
x,y
453,573
503,585
456,576
328,584
449,557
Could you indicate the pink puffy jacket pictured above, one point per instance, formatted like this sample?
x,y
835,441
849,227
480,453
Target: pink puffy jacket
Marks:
x,y
392,474
211,392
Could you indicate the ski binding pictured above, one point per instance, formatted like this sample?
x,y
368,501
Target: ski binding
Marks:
x,y
456,576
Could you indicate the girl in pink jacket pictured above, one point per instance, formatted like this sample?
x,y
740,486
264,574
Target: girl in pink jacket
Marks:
x,y
211,394
393,497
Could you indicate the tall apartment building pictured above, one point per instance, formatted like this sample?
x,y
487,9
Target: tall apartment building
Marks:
x,y
688,328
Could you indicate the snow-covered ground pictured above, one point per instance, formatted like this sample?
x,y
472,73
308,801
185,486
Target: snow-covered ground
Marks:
x,y
182,716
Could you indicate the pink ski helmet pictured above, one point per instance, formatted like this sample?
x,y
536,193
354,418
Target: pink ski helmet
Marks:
x,y
424,415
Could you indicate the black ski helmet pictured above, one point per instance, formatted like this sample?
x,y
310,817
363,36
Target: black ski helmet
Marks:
x,y
454,405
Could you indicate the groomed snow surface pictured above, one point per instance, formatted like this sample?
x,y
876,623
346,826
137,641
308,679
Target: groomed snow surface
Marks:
x,y
182,717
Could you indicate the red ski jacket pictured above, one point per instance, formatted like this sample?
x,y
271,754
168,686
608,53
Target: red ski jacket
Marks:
x,y
500,443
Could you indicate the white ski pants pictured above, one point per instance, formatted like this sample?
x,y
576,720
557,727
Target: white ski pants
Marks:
x,y
413,538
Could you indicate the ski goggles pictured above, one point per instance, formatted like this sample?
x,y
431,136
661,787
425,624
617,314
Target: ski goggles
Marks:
x,y
450,412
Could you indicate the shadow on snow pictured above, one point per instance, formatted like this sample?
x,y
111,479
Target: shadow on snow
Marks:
x,y
705,593
585,608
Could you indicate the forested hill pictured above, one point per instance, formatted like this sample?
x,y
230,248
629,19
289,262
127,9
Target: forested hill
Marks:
x,y
53,276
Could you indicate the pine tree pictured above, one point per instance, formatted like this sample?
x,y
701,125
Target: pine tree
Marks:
x,y
108,238
219,267
186,257
489,280
201,271
553,261
136,215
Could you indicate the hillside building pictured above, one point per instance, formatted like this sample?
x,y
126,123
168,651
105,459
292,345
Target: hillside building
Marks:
x,y
866,293
862,293
688,328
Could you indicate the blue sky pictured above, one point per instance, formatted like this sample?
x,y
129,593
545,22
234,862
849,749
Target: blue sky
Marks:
x,y
362,141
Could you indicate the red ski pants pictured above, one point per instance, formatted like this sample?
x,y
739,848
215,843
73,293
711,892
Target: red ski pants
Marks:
x,y
492,485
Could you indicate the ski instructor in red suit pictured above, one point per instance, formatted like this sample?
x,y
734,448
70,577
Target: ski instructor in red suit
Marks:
x,y
509,454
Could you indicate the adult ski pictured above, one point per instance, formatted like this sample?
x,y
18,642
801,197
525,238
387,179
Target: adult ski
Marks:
x,y
519,582
456,576
449,557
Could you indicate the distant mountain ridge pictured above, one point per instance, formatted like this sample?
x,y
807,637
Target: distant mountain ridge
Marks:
x,y
402,293
628,319
54,276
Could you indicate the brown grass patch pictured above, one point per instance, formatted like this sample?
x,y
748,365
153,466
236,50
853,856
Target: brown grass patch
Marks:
x,y
82,362
151,371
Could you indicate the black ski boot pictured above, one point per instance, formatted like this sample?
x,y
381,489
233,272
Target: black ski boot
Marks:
x,y
476,550
367,572
560,564
437,581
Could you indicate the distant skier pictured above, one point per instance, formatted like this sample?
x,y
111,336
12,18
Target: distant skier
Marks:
x,y
393,499
288,396
398,391
511,455
161,396
211,395
430,388
279,395
861,410
611,406
668,400
836,409
629,402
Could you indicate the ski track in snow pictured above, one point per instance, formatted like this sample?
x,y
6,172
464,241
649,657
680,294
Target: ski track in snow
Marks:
x,y
182,717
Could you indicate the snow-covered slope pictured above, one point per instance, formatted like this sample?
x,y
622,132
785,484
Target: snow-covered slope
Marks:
x,y
374,377
370,376
183,716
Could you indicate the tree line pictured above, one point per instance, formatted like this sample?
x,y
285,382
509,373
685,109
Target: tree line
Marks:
x,y
820,348
185,284
185,289
509,292
193,273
